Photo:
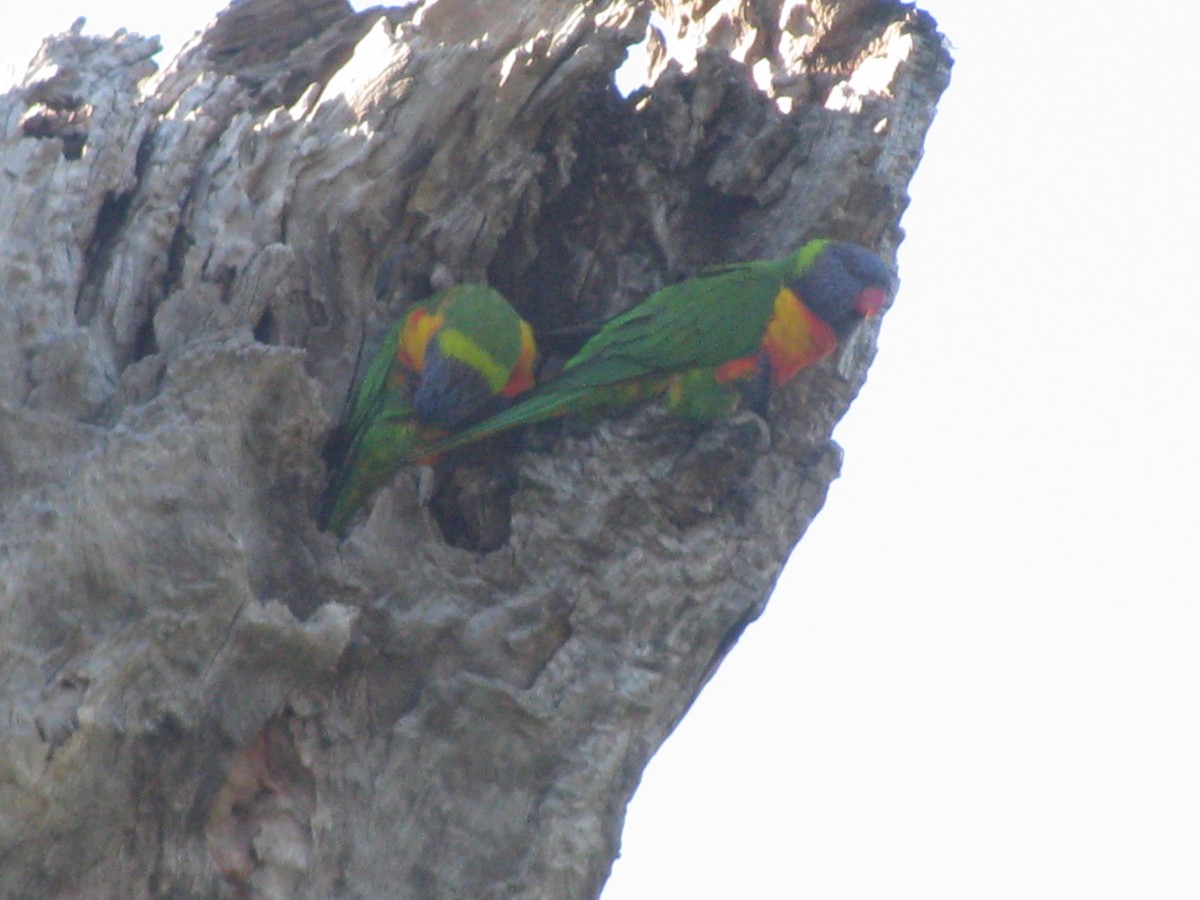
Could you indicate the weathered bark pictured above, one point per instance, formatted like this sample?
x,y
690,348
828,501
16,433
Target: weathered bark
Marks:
x,y
204,695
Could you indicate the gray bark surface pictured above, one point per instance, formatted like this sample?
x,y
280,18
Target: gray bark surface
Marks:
x,y
205,696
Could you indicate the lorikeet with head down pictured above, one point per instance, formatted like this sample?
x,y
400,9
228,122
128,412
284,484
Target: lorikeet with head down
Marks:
x,y
449,361
702,341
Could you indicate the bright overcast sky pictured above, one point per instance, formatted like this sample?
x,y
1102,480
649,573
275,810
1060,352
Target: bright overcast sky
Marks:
x,y
980,674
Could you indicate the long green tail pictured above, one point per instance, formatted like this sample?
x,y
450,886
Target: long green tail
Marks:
x,y
537,407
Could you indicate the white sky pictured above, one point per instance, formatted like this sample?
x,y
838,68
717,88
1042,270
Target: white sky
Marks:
x,y
980,675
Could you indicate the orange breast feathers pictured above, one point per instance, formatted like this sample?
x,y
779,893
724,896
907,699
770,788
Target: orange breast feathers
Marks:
x,y
794,338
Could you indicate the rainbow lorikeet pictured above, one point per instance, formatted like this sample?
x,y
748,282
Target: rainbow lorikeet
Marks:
x,y
704,340
449,361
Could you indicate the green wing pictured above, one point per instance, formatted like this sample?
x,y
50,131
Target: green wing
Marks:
x,y
379,422
373,392
698,323
374,457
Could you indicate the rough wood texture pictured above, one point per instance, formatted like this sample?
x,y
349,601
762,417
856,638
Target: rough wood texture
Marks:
x,y
202,695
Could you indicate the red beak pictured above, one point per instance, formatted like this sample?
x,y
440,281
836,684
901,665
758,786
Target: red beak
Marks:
x,y
870,302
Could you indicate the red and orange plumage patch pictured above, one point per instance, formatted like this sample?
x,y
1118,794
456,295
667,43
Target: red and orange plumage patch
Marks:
x,y
795,338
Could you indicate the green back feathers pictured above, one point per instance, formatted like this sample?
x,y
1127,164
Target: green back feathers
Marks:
x,y
480,330
699,323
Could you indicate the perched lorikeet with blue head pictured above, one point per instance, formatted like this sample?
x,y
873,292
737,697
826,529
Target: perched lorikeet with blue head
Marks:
x,y
451,360
704,340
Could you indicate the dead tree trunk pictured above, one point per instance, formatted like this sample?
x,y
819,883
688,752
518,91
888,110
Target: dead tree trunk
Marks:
x,y
202,695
